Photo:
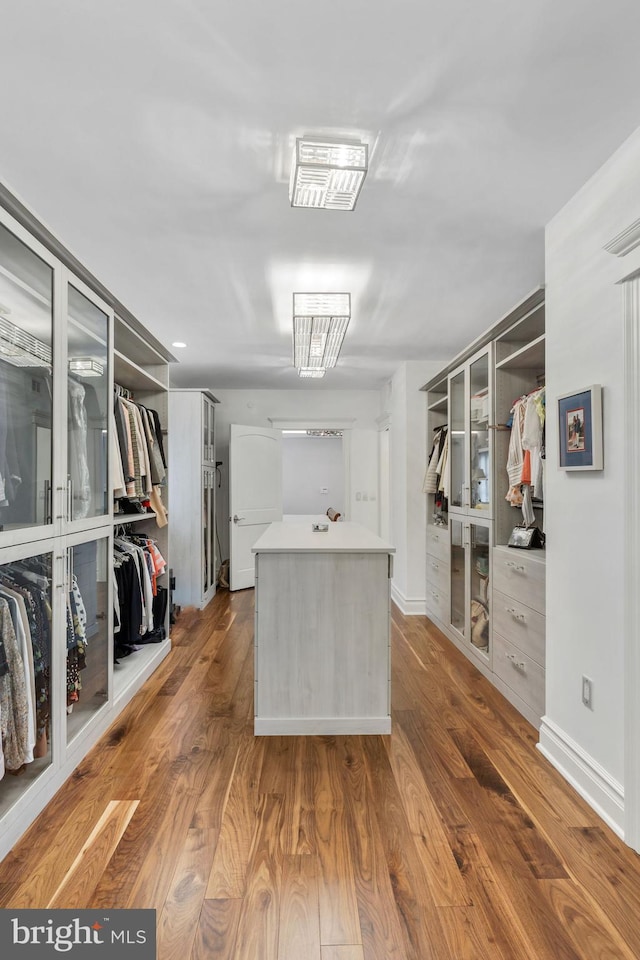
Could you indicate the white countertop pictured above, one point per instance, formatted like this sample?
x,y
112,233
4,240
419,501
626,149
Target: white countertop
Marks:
x,y
341,537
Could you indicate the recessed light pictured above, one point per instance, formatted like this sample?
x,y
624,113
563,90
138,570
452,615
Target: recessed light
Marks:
x,y
179,344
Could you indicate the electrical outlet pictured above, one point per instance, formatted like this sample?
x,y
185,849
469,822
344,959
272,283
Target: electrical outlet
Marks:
x,y
365,496
587,692
358,495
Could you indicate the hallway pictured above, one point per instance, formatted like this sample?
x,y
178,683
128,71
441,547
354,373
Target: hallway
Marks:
x,y
452,839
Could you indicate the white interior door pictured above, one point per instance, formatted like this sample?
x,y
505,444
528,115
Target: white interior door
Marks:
x,y
255,495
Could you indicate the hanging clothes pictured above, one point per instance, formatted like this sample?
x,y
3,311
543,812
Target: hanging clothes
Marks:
x,y
138,456
433,475
139,601
14,705
78,452
26,583
525,459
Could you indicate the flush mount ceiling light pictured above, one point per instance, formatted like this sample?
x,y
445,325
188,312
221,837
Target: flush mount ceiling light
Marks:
x,y
86,367
320,321
327,174
20,348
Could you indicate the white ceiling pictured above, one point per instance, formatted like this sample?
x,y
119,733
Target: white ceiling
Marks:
x,y
154,138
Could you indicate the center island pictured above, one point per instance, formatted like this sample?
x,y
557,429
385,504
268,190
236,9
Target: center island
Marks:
x,y
322,630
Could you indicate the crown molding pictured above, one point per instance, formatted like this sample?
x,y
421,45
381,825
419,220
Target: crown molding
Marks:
x,y
626,241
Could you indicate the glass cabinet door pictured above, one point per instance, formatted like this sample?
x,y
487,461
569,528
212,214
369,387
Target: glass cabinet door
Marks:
x,y
205,430
87,597
480,462
457,437
26,387
26,625
479,572
88,399
207,414
458,576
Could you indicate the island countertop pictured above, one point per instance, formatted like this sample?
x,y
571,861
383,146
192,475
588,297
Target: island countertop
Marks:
x,y
341,537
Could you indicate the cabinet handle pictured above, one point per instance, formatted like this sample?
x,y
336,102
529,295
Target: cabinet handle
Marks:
x,y
515,566
518,664
520,617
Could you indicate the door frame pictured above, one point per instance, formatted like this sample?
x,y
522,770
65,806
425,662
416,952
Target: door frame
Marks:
x,y
326,423
623,244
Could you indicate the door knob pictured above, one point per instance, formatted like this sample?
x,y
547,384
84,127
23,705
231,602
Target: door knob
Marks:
x,y
236,518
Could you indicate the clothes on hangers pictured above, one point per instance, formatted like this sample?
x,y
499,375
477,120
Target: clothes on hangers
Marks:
x,y
25,660
139,601
138,454
435,476
525,459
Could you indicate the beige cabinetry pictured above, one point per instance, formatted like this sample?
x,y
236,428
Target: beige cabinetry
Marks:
x,y
64,342
486,596
322,631
519,628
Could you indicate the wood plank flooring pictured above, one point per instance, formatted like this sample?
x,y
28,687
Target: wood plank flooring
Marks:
x,y
450,839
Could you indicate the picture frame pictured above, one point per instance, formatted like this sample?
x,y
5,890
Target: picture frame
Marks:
x,y
580,429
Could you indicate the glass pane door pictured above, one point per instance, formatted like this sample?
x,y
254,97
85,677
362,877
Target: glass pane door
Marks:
x,y
88,404
205,430
458,576
479,538
25,672
26,389
457,440
208,430
87,601
479,422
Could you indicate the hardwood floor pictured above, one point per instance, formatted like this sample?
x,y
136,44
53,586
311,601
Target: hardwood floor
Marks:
x,y
451,839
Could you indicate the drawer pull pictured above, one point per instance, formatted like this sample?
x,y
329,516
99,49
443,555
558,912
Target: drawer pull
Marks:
x,y
518,664
520,617
515,566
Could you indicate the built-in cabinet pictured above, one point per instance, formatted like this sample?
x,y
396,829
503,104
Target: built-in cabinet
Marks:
x,y
192,457
470,440
61,347
486,596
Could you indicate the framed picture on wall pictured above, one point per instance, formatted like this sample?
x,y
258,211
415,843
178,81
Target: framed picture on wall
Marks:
x,y
580,429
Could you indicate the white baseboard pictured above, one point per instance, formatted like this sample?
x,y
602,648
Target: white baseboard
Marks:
x,y
319,726
604,794
414,607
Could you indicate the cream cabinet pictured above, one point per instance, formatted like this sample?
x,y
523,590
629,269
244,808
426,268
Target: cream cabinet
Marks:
x,y
519,628
192,503
63,343
487,597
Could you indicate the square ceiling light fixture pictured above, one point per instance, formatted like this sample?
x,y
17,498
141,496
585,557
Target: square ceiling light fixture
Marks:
x,y
327,174
320,321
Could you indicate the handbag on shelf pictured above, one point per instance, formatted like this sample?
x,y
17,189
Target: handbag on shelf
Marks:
x,y
526,538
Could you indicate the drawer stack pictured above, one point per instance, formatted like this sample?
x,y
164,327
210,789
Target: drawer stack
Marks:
x,y
519,627
438,573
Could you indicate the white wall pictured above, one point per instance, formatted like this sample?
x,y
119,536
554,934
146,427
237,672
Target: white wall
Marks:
x,y
585,512
407,407
255,407
309,465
